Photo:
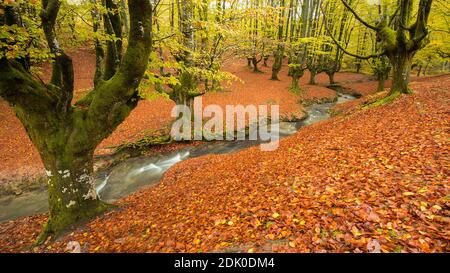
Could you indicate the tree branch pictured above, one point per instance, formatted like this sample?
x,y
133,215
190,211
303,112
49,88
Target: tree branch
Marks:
x,y
392,17
421,30
357,16
62,71
113,27
99,51
17,85
20,89
114,99
344,49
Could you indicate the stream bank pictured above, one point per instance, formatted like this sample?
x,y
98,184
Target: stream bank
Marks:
x,y
132,174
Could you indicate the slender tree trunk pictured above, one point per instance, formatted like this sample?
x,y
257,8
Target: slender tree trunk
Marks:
x,y
381,80
312,77
295,83
249,62
425,68
124,17
265,59
279,53
358,67
331,78
419,70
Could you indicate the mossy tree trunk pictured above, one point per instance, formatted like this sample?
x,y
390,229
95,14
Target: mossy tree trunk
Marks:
x,y
330,75
312,76
277,62
279,52
296,74
71,188
66,135
299,55
295,87
401,64
381,81
186,90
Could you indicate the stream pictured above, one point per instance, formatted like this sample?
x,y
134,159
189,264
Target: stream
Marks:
x,y
135,173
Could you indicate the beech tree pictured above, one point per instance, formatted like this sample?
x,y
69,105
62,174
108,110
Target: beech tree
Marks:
x,y
400,35
190,49
331,63
299,49
279,52
66,135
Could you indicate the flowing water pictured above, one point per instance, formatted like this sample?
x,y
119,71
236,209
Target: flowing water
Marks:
x,y
135,173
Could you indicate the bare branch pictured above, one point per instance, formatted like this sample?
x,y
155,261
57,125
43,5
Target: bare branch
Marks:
x,y
357,16
392,17
341,47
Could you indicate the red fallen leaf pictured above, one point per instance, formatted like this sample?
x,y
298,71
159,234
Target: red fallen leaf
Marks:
x,y
373,216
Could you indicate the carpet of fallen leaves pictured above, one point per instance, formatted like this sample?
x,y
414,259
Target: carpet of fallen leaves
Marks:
x,y
19,159
373,180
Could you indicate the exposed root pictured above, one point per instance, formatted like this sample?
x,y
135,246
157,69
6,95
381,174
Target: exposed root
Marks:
x,y
391,96
56,226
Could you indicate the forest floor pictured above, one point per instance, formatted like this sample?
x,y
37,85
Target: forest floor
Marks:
x,y
371,180
20,161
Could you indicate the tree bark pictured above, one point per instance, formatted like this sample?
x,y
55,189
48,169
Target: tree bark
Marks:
x,y
277,62
296,74
265,60
401,63
249,62
358,67
381,81
279,53
331,78
419,70
255,63
71,190
312,77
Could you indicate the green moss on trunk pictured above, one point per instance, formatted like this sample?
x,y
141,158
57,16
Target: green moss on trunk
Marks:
x,y
277,63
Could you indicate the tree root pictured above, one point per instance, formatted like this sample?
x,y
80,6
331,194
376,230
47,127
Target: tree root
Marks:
x,y
392,96
56,227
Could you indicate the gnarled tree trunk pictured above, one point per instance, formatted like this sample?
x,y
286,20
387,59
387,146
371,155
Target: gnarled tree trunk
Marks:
x,y
66,135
